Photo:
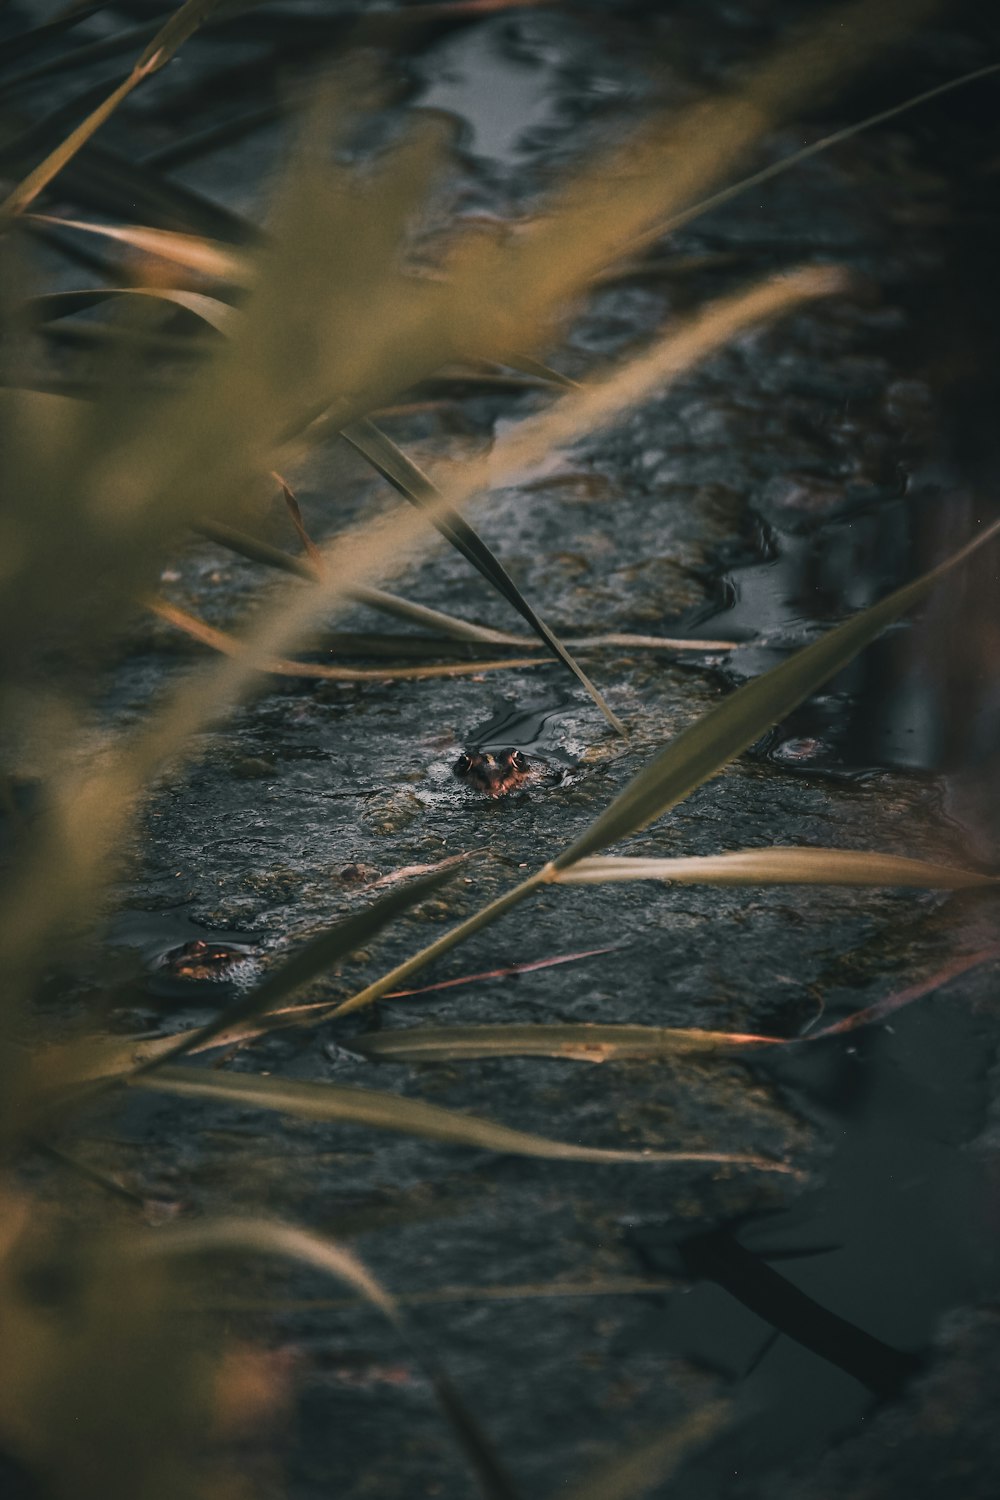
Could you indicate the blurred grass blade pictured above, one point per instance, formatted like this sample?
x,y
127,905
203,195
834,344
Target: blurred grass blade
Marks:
x,y
404,475
578,1042
780,866
508,1291
702,750
252,547
278,666
193,252
175,32
531,366
295,512
649,1463
775,169
54,305
309,963
336,1102
261,1237
165,43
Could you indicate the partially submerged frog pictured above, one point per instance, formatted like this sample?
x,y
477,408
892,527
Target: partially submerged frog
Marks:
x,y
496,775
202,961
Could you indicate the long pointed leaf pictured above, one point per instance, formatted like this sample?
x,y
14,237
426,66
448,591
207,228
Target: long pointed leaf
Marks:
x,y
219,315
278,666
252,547
780,866
815,148
580,1043
404,475
701,751
194,252
173,33
327,1101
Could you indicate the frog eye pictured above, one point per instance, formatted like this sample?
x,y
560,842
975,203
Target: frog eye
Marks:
x,y
516,759
462,764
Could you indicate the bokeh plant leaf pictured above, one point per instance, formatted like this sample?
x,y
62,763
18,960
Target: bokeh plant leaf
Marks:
x,y
256,1236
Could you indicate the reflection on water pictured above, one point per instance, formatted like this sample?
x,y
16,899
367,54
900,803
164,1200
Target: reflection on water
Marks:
x,y
902,1228
925,697
496,89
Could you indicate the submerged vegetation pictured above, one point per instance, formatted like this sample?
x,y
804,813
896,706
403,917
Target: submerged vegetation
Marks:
x,y
224,356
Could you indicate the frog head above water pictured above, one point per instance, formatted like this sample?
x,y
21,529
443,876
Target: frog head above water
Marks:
x,y
494,774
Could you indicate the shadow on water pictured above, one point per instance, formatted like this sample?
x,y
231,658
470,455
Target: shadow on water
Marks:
x,y
817,1314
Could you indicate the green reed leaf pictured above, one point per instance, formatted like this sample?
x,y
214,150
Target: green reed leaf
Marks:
x,y
702,750
779,866
53,305
404,475
278,666
578,1043
193,252
337,1102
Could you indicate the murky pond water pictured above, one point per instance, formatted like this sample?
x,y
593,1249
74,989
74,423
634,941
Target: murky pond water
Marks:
x,y
794,478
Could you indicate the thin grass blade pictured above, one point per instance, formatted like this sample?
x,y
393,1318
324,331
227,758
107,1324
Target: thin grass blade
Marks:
x,y
380,1111
193,252
53,305
277,666
780,866
37,180
775,169
174,33
576,1042
404,475
246,545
